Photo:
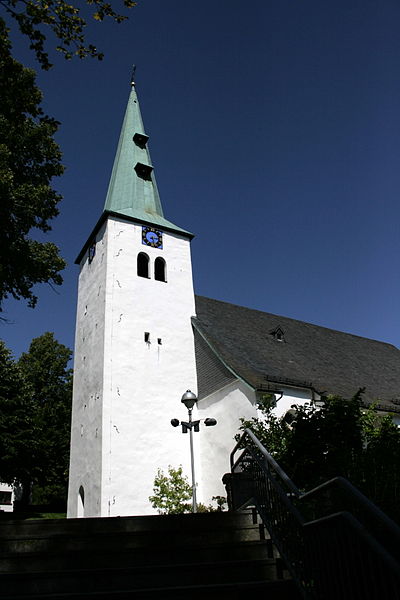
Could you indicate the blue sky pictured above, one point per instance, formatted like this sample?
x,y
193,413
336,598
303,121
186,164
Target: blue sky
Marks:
x,y
275,136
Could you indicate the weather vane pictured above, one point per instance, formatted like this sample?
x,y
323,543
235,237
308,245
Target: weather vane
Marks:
x,y
133,75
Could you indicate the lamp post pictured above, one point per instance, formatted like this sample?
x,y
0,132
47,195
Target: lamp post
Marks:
x,y
189,400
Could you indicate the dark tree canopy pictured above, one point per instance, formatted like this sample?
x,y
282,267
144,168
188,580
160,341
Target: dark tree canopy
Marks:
x,y
29,156
15,419
35,415
37,18
46,372
314,444
29,159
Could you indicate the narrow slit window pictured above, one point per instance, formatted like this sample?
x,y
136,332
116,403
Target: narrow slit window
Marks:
x,y
160,269
81,502
92,251
143,265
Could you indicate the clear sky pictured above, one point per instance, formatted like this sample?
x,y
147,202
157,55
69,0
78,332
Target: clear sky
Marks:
x,y
275,136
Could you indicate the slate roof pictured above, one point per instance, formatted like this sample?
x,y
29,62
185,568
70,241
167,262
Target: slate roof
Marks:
x,y
328,361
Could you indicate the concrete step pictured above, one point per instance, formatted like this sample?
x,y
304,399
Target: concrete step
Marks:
x,y
88,534
109,535
138,557
151,576
130,539
125,557
113,542
271,590
50,527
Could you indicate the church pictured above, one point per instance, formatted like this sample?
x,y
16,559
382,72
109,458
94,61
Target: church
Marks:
x,y
143,338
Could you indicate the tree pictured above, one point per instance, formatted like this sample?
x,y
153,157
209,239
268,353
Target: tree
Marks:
x,y
45,369
381,463
64,20
29,159
29,156
15,420
35,412
171,492
314,444
325,442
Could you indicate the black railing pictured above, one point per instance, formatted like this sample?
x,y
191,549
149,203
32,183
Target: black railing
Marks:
x,y
336,544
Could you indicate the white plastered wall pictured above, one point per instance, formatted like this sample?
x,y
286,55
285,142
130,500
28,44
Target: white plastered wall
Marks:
x,y
290,397
140,382
227,405
86,426
144,381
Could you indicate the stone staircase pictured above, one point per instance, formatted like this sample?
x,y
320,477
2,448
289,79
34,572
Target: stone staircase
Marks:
x,y
220,555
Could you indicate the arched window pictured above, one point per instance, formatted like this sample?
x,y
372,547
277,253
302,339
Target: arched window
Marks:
x,y
81,502
160,269
143,265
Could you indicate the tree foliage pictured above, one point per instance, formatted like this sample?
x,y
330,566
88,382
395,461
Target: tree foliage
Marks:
x,y
314,444
171,492
16,424
29,159
45,368
29,156
37,18
35,414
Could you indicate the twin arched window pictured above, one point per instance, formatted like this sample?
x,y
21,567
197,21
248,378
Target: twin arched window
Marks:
x,y
143,267
160,269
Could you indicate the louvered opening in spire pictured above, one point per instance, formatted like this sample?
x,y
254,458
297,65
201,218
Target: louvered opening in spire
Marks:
x,y
141,140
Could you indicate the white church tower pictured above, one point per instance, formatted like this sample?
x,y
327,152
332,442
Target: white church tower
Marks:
x,y
134,349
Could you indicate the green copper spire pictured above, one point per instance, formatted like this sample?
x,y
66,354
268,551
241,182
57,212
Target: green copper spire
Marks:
x,y
132,191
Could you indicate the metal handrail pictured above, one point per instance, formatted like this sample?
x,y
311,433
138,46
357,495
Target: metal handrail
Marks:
x,y
367,513
355,543
270,459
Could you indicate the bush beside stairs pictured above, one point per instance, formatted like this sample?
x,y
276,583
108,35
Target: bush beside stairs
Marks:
x,y
206,555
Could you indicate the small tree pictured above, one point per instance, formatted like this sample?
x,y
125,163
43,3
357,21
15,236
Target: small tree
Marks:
x,y
171,492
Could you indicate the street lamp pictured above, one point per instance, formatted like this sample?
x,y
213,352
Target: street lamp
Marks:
x,y
189,400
